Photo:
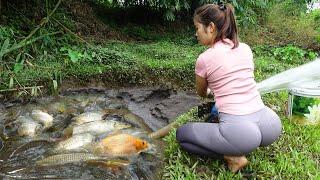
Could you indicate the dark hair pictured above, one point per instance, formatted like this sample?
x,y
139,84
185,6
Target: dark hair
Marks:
x,y
223,17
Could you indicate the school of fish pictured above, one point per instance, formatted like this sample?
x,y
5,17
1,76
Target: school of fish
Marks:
x,y
80,140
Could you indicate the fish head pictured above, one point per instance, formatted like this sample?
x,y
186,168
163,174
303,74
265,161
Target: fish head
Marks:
x,y
141,144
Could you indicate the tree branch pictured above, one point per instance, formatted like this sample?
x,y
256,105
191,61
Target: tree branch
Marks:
x,y
16,89
20,45
25,41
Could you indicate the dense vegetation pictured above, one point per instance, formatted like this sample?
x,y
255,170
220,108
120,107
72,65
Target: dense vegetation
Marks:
x,y
46,43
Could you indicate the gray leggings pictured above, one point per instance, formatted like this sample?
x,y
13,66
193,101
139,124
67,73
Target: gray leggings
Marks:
x,y
233,135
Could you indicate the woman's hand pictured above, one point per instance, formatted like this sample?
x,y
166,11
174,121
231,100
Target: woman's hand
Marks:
x,y
209,94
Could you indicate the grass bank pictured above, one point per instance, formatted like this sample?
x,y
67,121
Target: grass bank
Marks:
x,y
128,63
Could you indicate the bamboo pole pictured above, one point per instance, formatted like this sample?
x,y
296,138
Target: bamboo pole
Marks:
x,y
164,131
25,41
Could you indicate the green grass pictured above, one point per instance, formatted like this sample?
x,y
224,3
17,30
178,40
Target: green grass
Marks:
x,y
117,62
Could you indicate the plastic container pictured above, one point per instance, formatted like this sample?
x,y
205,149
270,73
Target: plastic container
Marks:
x,y
303,98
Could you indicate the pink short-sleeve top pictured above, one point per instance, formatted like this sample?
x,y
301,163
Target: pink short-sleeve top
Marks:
x,y
229,73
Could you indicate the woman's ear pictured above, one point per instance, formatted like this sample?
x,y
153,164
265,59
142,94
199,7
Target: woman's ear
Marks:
x,y
212,27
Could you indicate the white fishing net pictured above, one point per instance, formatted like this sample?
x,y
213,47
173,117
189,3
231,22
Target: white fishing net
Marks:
x,y
304,78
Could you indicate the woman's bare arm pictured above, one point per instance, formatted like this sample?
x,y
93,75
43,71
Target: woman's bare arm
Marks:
x,y
201,86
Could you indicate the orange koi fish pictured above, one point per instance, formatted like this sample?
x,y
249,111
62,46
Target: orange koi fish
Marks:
x,y
121,145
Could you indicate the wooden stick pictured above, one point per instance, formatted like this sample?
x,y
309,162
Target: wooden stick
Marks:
x,y
74,34
24,88
164,131
43,22
20,45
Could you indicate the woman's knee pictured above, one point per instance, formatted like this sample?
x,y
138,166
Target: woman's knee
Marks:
x,y
182,131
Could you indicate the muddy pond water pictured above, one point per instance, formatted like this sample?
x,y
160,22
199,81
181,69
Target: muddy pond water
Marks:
x,y
88,133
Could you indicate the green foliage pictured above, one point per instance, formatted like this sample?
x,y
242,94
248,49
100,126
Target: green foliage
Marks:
x,y
290,54
271,60
74,55
143,33
26,48
248,12
315,16
6,32
300,104
18,66
4,47
291,7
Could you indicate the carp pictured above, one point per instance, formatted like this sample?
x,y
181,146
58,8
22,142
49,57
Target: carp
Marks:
x,y
88,117
60,159
42,117
121,145
129,117
75,142
99,127
136,121
28,127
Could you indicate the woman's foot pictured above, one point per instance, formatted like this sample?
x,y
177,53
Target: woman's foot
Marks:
x,y
235,163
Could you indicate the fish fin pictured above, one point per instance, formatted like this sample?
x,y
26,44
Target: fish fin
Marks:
x,y
67,132
113,165
84,149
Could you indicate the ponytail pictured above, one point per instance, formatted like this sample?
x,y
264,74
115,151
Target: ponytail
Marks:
x,y
222,15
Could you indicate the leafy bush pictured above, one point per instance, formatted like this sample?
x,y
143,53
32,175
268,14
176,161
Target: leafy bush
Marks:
x,y
315,15
290,54
248,11
143,33
6,32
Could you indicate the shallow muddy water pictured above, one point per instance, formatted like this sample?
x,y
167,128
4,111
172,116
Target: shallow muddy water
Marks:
x,y
143,109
